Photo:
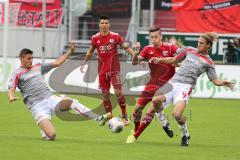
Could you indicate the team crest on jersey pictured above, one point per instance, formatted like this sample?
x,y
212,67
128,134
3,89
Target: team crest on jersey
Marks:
x,y
151,52
111,40
98,41
165,53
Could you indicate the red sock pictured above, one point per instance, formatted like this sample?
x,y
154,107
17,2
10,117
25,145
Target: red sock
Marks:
x,y
136,119
107,105
122,104
144,123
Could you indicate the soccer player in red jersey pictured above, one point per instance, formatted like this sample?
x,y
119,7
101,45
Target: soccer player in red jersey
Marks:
x,y
106,43
160,74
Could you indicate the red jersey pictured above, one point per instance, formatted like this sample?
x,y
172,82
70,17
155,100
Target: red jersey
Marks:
x,y
107,51
160,71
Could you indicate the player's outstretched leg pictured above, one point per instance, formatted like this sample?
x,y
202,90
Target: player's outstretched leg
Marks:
x,y
178,115
131,138
158,107
144,123
104,118
165,124
73,104
137,115
147,119
47,129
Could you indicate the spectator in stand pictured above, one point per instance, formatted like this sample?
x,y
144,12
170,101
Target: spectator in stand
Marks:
x,y
232,54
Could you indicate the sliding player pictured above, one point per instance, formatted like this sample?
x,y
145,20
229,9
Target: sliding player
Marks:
x,y
37,96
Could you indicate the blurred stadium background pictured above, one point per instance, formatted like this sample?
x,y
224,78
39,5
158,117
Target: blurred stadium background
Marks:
x,y
181,21
22,25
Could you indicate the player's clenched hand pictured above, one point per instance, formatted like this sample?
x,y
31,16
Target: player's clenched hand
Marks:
x,y
229,84
82,66
155,60
12,99
136,47
72,46
135,60
142,63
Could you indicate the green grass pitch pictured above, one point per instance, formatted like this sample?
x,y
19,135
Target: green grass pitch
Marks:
x,y
214,125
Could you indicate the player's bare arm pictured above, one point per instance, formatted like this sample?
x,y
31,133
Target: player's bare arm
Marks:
x,y
11,95
65,56
138,60
87,57
126,47
166,60
219,82
176,64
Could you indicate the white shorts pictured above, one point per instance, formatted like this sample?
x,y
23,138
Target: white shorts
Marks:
x,y
46,108
180,92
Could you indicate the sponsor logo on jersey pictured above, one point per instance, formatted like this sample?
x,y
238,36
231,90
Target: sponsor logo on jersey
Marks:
x,y
106,48
111,40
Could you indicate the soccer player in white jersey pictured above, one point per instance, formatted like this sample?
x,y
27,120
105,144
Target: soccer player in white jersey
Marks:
x,y
194,62
37,96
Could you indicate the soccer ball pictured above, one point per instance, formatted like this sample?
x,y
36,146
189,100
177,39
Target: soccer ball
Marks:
x,y
115,125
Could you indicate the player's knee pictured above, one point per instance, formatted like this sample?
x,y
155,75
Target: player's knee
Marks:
x,y
176,114
118,93
66,103
51,135
138,109
121,100
106,96
158,109
156,101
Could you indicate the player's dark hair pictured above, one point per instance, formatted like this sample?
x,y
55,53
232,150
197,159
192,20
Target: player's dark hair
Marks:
x,y
104,18
25,51
154,29
210,37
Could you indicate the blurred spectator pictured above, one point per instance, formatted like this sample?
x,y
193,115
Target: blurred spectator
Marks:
x,y
236,45
232,54
178,42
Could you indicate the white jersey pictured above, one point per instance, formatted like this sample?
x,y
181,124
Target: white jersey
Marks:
x,y
193,64
31,83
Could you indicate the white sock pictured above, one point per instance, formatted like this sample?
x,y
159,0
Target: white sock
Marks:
x,y
162,118
83,110
184,130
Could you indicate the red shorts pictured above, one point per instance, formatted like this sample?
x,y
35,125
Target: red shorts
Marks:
x,y
149,91
106,79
